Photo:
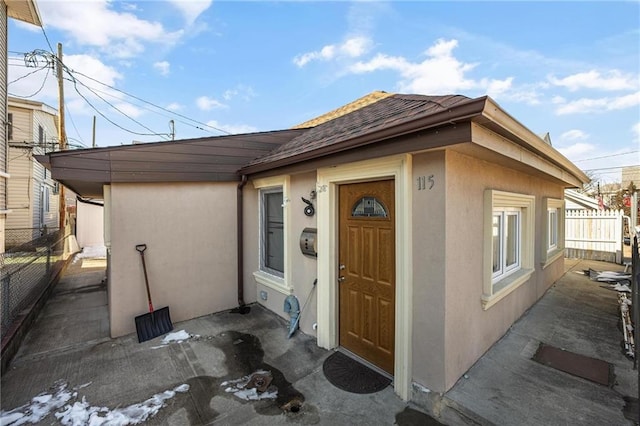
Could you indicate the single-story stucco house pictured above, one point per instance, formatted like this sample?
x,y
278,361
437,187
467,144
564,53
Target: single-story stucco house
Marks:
x,y
414,230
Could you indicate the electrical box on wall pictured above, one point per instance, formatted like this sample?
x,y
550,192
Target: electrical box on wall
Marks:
x,y
308,242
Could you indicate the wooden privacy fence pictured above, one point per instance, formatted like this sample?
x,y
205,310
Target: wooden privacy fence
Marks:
x,y
594,234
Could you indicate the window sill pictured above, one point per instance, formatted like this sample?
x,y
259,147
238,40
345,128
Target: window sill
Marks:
x,y
273,282
505,286
552,256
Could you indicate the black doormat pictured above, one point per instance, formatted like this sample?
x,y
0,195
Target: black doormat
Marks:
x,y
349,375
592,369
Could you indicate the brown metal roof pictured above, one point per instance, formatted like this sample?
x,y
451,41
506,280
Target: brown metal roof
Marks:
x,y
214,159
390,116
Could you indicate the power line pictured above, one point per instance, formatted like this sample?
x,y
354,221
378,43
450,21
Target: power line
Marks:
x,y
47,39
609,168
164,135
154,105
31,60
607,156
73,123
107,118
44,81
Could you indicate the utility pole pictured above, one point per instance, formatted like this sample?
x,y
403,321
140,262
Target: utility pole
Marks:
x,y
93,145
62,135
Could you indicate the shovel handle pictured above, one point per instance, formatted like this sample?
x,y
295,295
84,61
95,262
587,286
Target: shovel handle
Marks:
x,y
141,248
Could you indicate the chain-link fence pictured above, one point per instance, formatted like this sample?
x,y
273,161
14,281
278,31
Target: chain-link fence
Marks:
x,y
26,271
16,237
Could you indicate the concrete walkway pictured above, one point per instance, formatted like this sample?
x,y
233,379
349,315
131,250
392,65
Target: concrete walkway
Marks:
x,y
69,360
505,387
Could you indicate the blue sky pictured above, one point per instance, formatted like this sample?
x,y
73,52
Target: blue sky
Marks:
x,y
568,68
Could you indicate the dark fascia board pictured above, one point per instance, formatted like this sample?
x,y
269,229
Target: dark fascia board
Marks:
x,y
458,113
216,159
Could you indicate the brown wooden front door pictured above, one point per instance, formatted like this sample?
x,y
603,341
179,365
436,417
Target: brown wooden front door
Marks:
x,y
367,271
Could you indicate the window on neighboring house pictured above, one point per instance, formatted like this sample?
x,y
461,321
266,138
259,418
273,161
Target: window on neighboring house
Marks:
x,y
40,136
46,206
553,244
509,243
10,127
272,231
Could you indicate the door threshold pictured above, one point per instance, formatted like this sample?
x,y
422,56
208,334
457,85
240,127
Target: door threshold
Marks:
x,y
365,362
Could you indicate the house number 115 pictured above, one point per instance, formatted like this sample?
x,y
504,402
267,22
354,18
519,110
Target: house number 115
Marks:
x,y
426,181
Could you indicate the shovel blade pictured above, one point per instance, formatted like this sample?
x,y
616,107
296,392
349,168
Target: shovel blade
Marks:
x,y
153,324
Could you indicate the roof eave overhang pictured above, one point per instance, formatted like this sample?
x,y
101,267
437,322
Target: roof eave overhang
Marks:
x,y
25,11
504,124
456,114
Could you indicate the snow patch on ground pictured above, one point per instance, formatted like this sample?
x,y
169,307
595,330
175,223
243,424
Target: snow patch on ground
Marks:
x,y
238,388
81,412
177,337
92,252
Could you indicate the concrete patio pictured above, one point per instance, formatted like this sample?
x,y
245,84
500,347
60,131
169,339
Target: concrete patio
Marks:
x,y
68,355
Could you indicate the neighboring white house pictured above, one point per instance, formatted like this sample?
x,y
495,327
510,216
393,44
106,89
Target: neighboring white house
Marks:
x,y
32,195
574,200
89,221
25,11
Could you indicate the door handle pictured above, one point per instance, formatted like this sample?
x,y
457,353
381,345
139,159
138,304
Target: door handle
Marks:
x,y
340,279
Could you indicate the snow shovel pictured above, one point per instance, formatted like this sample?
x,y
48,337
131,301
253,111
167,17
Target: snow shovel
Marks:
x,y
156,322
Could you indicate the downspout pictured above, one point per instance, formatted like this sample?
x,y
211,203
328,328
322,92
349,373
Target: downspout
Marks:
x,y
242,308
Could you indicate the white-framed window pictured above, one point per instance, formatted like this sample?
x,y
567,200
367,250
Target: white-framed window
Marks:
x,y
509,242
552,231
272,231
553,242
506,239
274,268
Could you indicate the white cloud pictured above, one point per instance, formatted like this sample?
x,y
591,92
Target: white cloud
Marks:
x,y
353,47
232,128
589,105
163,67
206,103
611,80
440,73
573,135
128,109
95,23
241,91
577,150
635,129
174,106
558,100
191,9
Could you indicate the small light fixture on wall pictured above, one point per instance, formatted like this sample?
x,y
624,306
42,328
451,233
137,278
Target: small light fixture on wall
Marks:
x,y
309,210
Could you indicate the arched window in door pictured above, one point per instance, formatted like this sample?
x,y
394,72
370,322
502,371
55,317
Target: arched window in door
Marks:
x,y
369,207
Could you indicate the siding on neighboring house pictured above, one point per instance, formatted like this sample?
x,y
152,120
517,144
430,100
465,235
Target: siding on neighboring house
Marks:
x,y
31,197
50,130
20,194
22,124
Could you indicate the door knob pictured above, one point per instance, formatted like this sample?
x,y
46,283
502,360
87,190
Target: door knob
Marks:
x,y
340,279
341,266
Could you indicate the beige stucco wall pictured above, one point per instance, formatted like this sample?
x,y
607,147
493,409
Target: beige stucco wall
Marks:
x,y
190,232
304,268
429,257
470,330
450,329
